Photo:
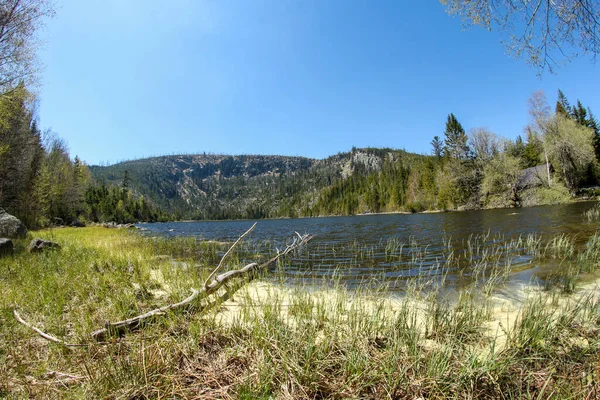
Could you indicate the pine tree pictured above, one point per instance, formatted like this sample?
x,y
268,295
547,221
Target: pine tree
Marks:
x,y
532,154
562,105
126,180
437,147
593,124
456,139
579,114
516,149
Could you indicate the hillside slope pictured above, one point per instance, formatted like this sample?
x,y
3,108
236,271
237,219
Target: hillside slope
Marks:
x,y
257,186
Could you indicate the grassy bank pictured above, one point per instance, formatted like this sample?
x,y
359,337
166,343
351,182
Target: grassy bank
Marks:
x,y
276,341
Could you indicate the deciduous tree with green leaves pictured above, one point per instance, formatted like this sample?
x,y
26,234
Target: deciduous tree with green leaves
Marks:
x,y
570,148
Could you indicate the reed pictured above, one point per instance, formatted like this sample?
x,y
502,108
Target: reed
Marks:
x,y
593,214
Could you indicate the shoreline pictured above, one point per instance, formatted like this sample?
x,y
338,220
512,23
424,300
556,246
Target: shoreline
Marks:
x,y
437,211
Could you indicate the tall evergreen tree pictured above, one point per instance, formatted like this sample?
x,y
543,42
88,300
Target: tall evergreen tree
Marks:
x,y
562,105
126,180
437,147
593,124
456,139
579,114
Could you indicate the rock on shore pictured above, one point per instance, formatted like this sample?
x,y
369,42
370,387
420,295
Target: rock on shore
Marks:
x,y
11,227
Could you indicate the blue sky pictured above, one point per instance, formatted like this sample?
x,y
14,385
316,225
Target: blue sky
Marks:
x,y
127,79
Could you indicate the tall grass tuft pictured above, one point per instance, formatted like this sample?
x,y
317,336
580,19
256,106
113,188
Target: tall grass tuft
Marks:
x,y
593,214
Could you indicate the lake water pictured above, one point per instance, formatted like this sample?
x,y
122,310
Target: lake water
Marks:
x,y
393,247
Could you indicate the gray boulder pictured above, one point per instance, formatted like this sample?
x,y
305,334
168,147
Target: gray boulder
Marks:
x,y
39,245
11,226
6,247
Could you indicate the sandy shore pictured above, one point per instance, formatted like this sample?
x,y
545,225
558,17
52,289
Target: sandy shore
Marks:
x,y
505,306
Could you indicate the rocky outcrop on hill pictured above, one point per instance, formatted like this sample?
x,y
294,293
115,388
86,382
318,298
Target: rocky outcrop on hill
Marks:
x,y
11,227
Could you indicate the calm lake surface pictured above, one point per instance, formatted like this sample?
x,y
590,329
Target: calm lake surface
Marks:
x,y
390,248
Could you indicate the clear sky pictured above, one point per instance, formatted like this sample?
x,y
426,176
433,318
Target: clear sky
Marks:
x,y
127,79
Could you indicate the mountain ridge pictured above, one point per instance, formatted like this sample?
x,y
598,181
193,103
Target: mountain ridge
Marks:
x,y
217,186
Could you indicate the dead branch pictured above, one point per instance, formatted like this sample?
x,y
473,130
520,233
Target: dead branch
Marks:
x,y
120,327
56,378
58,374
227,254
210,287
42,333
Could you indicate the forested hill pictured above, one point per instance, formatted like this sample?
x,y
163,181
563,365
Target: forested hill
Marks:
x,y
559,158
254,186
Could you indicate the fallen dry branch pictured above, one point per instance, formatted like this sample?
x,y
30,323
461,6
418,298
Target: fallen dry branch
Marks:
x,y
227,254
248,272
56,378
42,333
210,287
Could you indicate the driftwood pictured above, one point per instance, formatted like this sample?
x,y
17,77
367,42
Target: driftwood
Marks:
x,y
212,274
43,334
211,286
56,378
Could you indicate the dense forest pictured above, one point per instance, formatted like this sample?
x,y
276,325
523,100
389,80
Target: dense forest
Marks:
x,y
42,185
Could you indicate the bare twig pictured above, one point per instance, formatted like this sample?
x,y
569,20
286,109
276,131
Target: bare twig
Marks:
x,y
42,333
62,375
56,378
227,254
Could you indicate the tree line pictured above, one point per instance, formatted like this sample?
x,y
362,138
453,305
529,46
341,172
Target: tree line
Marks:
x,y
555,158
42,185
479,169
39,182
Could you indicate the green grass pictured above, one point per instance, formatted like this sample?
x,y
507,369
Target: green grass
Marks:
x,y
292,341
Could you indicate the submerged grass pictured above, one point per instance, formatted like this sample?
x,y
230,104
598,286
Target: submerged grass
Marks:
x,y
275,340
593,214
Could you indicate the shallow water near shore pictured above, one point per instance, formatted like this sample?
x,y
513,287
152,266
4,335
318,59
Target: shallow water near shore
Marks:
x,y
390,249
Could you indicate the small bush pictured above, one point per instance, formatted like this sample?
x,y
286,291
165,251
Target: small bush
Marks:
x,y
540,196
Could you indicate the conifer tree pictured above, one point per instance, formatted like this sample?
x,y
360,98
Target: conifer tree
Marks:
x,y
562,105
456,139
593,124
579,114
437,147
126,180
